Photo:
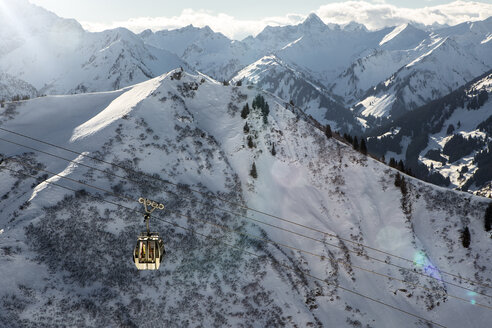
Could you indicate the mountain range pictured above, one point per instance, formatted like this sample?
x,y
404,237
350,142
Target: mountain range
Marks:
x,y
267,221
269,218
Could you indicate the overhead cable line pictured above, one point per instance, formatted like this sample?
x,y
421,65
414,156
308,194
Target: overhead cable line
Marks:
x,y
247,252
322,257
359,254
228,202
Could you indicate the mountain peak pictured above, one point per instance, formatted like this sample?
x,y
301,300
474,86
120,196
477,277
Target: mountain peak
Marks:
x,y
313,20
146,33
354,26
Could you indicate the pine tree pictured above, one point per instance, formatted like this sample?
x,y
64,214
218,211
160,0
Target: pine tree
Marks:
x,y
450,129
397,179
245,111
274,152
253,172
246,128
363,147
250,142
465,237
392,162
400,166
403,186
488,217
328,133
355,143
265,110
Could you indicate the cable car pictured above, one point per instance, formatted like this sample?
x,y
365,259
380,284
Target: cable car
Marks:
x,y
149,249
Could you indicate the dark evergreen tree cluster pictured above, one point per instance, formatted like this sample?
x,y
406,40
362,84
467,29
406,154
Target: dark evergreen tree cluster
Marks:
x,y
253,171
250,142
354,141
397,165
477,101
465,237
260,103
19,98
348,138
483,161
435,155
245,111
450,129
328,132
458,146
400,182
421,122
488,217
363,147
246,128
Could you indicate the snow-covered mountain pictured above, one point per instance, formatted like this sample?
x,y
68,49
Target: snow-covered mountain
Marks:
x,y
57,56
380,74
11,87
449,137
445,67
290,84
66,255
206,51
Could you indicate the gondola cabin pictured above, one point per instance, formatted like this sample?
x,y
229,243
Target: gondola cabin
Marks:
x,y
149,251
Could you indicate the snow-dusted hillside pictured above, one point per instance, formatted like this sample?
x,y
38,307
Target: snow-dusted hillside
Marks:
x,y
450,136
66,256
431,76
11,87
57,56
286,82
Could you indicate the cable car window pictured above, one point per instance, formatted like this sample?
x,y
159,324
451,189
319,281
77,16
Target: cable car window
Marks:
x,y
142,250
151,252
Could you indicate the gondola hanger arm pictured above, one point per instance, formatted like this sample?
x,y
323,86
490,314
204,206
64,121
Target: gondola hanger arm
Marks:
x,y
150,205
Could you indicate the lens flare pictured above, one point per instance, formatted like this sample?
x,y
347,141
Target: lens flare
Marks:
x,y
471,295
421,261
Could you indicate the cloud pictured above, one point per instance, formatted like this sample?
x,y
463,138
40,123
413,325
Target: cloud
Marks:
x,y
219,22
375,15
379,15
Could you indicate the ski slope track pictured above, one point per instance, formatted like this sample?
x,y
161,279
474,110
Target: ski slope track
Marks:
x,y
66,256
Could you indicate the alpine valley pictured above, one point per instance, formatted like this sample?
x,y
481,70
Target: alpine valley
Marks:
x,y
270,219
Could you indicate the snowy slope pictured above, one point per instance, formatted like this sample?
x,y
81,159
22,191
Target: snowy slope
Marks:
x,y
286,82
11,86
405,36
187,129
450,136
57,56
448,60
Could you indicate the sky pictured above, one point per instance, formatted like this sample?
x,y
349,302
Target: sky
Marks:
x,y
237,19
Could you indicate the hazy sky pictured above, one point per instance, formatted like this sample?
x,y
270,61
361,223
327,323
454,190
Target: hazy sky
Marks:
x,y
112,10
239,18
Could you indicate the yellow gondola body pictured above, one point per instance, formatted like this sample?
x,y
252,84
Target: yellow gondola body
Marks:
x,y
148,251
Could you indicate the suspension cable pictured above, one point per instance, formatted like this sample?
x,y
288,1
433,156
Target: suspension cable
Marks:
x,y
300,271
473,282
322,257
